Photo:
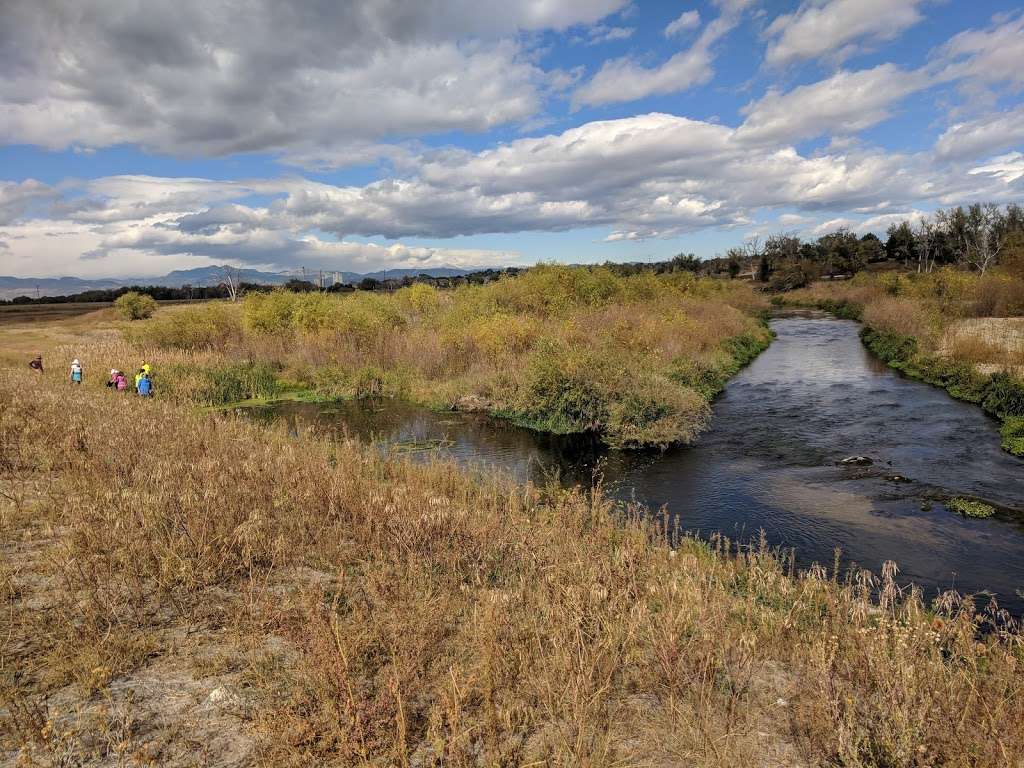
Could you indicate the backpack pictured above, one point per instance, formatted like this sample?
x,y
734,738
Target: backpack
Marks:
x,y
145,386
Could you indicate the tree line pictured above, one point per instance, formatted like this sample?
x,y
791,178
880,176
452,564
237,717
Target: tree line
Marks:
x,y
977,237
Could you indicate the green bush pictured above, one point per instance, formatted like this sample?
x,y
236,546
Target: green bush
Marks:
x,y
704,377
560,393
891,348
269,313
211,325
135,306
1004,396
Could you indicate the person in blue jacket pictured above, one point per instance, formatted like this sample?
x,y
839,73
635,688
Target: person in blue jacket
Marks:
x,y
145,386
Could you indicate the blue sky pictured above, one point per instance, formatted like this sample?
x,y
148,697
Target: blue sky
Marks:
x,y
365,135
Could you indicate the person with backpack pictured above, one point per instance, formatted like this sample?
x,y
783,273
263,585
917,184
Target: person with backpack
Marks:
x,y
145,386
76,371
36,364
120,382
145,370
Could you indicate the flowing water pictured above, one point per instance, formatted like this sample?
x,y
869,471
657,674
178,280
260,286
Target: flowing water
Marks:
x,y
770,462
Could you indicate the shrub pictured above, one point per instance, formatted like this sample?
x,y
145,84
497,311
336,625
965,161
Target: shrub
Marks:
x,y
501,335
135,306
313,313
560,393
419,298
363,317
1004,396
269,313
654,412
211,325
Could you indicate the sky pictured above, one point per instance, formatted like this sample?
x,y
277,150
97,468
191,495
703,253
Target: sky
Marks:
x,y
137,138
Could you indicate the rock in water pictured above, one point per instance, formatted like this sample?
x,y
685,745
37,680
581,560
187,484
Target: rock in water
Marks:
x,y
857,461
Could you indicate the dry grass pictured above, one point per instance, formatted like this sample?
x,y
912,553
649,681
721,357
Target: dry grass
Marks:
x,y
353,611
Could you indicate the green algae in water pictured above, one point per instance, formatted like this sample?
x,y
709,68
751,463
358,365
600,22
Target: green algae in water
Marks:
x,y
969,508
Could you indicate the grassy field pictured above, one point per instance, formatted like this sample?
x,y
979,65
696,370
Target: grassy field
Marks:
x,y
953,329
20,314
184,588
567,350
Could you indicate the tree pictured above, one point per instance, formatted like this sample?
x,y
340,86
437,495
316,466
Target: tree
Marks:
x,y
685,262
135,306
985,235
925,245
899,244
871,249
232,281
840,252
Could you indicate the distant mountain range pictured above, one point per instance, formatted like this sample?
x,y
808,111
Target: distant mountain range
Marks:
x,y
11,287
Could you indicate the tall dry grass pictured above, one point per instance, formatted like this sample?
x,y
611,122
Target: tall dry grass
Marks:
x,y
365,612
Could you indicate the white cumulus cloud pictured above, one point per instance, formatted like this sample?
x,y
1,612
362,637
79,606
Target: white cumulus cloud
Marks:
x,y
837,29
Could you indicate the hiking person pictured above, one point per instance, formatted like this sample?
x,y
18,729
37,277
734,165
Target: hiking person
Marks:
x,y
36,363
145,386
145,370
120,382
76,371
112,381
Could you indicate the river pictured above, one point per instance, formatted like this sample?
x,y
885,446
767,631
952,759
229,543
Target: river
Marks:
x,y
769,462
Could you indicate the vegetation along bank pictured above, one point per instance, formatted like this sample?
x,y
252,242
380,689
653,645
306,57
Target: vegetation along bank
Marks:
x,y
958,330
634,359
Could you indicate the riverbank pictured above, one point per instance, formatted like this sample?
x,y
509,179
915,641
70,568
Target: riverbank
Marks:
x,y
176,579
932,327
633,360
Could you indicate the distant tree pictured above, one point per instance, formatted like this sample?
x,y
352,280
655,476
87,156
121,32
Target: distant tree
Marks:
x,y
135,306
899,244
232,281
986,234
925,245
369,284
299,286
840,252
871,248
685,262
